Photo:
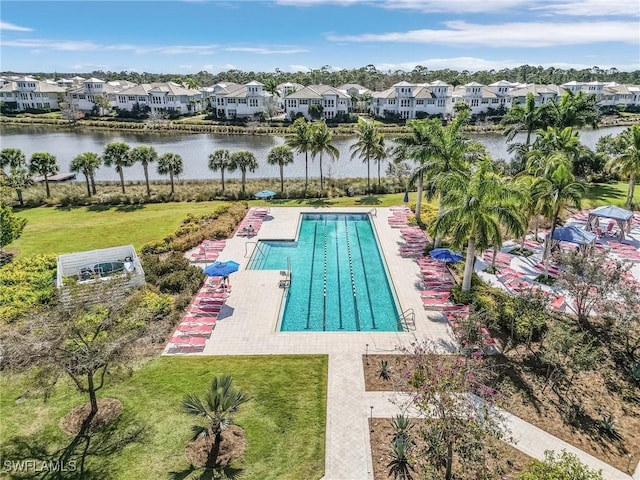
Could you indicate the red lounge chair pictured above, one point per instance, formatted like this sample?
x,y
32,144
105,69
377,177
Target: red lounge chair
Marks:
x,y
198,320
188,341
558,304
196,330
207,312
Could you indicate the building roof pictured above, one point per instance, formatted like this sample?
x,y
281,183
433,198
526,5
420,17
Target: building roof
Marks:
x,y
440,83
166,88
93,80
349,86
316,91
388,93
474,84
402,84
254,83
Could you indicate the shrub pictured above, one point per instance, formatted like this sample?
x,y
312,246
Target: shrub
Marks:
x,y
26,284
172,275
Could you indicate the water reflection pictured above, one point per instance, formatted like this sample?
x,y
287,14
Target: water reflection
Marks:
x,y
195,149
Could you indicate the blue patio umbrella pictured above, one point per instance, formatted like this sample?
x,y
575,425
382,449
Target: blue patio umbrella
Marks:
x,y
406,197
221,269
445,255
265,194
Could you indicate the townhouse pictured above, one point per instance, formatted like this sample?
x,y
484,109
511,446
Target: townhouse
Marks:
x,y
85,95
333,101
166,97
406,101
26,93
233,100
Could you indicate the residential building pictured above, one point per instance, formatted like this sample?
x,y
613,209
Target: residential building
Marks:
x,y
30,94
84,96
160,97
232,100
333,101
406,101
359,96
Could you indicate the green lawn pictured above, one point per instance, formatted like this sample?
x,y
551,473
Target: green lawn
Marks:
x,y
284,420
63,230
609,194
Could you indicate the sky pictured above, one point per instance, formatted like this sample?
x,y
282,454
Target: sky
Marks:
x,y
183,37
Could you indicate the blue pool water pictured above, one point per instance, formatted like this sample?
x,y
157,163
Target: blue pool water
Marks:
x,y
338,277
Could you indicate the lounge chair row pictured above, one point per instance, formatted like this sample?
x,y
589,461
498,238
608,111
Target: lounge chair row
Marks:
x,y
252,222
208,251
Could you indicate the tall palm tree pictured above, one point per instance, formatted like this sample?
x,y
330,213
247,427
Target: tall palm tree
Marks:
x,y
12,158
144,154
478,205
556,189
117,154
417,146
87,163
45,164
244,161
171,164
381,153
573,110
626,159
280,155
220,160
221,402
368,145
321,138
300,141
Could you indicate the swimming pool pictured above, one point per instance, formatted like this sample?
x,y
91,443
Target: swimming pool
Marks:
x,y
338,277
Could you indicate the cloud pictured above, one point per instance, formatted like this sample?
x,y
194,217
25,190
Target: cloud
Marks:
x,y
266,51
299,68
592,8
517,34
474,64
229,66
14,28
86,67
207,68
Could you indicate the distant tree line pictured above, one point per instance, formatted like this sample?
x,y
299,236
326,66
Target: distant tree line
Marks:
x,y
369,76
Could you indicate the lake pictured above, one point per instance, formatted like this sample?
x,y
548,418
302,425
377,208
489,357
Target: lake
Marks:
x,y
195,150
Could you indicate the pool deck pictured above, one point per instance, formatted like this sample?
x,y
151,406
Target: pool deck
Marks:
x,y
247,326
248,321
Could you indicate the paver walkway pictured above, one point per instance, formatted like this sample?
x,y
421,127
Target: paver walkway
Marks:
x,y
348,454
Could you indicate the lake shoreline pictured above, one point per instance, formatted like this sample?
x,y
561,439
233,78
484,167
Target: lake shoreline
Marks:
x,y
187,126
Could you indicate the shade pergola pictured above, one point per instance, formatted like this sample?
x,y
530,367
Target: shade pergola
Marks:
x,y
575,235
624,218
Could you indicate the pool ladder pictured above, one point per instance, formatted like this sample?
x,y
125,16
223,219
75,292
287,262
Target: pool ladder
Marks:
x,y
407,320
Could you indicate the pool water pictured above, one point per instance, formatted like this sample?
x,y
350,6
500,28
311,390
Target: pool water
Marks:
x,y
338,277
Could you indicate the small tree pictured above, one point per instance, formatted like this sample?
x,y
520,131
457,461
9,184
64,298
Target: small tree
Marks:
x,y
44,163
170,163
85,335
591,279
102,104
19,179
12,158
315,111
450,393
221,402
566,466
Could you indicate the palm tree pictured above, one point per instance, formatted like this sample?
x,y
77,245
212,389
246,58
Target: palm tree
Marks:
x,y
87,163
117,153
555,189
244,161
626,159
220,160
145,155
369,145
12,158
522,118
381,153
300,140
478,205
573,110
320,144
280,155
416,146
221,402
44,163
19,179
170,163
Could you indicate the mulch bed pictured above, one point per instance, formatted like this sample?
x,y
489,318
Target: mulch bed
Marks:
x,y
232,447
109,409
521,388
512,460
